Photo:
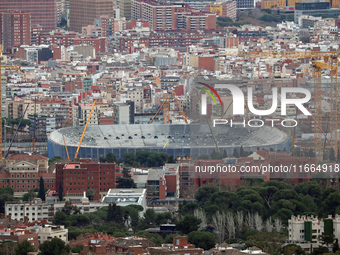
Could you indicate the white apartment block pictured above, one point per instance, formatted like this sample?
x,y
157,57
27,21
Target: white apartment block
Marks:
x,y
37,210
48,232
306,230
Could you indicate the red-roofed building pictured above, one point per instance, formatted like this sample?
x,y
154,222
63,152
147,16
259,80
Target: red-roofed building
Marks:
x,y
75,178
18,235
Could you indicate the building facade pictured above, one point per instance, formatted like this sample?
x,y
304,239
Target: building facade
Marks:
x,y
167,16
84,12
15,29
76,178
23,172
43,12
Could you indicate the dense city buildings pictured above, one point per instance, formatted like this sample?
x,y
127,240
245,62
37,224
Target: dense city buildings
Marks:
x,y
125,120
43,12
84,12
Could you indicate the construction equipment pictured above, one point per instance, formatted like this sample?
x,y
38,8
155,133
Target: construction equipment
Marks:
x,y
179,106
166,108
82,136
164,102
3,67
16,131
320,60
68,156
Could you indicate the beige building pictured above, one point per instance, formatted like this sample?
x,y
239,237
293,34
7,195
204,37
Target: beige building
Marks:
x,y
15,108
81,112
48,232
84,12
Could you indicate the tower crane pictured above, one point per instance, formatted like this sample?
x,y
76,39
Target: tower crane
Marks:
x,y
3,67
320,60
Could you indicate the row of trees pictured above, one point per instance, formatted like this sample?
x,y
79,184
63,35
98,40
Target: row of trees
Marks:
x,y
140,158
237,153
276,199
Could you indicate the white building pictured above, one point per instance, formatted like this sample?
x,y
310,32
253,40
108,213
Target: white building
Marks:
x,y
306,230
125,197
47,232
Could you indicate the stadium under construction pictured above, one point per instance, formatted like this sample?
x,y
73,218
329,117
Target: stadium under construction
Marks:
x,y
175,139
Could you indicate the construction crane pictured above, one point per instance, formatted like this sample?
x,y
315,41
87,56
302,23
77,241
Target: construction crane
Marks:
x,y
166,108
3,67
160,108
320,60
68,156
82,136
16,131
179,106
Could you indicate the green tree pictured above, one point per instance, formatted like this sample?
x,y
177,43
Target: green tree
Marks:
x,y
77,249
292,249
60,218
7,247
149,217
29,196
53,160
188,224
126,181
270,242
24,247
70,209
111,157
320,250
114,213
41,193
236,154
129,158
6,194
90,193
202,239
55,246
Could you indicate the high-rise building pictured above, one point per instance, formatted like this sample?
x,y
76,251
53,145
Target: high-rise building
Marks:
x,y
15,29
84,12
245,4
43,12
125,9
167,16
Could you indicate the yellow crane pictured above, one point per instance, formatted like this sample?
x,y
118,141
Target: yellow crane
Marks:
x,y
321,60
68,156
179,107
82,136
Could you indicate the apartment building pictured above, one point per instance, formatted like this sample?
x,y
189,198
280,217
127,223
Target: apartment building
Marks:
x,y
84,12
75,178
167,16
43,12
47,232
15,29
307,230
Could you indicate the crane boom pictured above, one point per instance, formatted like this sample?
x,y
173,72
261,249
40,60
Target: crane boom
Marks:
x,y
68,156
82,136
159,110
15,131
